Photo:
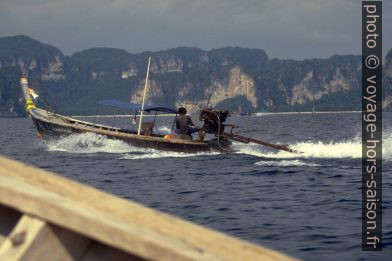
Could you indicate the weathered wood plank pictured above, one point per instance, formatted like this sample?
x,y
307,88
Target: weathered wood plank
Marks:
x,y
116,222
34,239
96,224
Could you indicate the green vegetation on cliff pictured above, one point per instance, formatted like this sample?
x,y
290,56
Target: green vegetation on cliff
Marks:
x,y
237,79
10,104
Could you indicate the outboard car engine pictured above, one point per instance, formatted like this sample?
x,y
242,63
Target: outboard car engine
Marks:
x,y
213,121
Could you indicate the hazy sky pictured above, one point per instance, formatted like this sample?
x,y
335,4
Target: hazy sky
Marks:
x,y
295,29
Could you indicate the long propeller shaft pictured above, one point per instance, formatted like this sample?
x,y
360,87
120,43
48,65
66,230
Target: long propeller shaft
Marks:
x,y
247,140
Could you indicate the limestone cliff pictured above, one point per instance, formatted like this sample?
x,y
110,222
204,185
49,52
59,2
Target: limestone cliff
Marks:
x,y
232,78
314,85
236,83
154,92
54,70
32,57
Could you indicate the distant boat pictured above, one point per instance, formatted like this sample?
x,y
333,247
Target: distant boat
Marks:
x,y
242,113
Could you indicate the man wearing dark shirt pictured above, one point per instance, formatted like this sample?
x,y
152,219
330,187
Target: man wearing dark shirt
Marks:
x,y
184,123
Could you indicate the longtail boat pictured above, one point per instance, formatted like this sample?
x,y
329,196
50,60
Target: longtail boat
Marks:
x,y
52,125
49,125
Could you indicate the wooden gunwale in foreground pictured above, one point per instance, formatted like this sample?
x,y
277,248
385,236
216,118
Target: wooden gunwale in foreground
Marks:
x,y
44,216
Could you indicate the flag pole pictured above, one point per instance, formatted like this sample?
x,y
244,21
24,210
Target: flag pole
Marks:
x,y
144,96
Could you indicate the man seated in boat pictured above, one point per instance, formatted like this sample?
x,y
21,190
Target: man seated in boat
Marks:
x,y
185,126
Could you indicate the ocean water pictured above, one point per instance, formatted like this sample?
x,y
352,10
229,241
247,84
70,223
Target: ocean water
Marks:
x,y
308,205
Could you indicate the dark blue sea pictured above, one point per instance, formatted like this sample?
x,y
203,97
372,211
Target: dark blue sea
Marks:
x,y
308,205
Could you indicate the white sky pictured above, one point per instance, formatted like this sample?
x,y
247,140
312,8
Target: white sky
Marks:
x,y
296,29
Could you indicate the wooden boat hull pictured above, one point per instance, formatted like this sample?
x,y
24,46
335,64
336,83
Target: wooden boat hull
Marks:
x,y
47,217
50,125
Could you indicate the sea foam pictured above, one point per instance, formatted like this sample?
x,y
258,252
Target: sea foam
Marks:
x,y
93,143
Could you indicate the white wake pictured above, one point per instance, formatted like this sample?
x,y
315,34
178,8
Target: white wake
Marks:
x,y
93,143
316,150
342,149
89,143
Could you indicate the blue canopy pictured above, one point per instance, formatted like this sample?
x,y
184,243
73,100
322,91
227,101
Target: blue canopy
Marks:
x,y
134,106
161,109
120,104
